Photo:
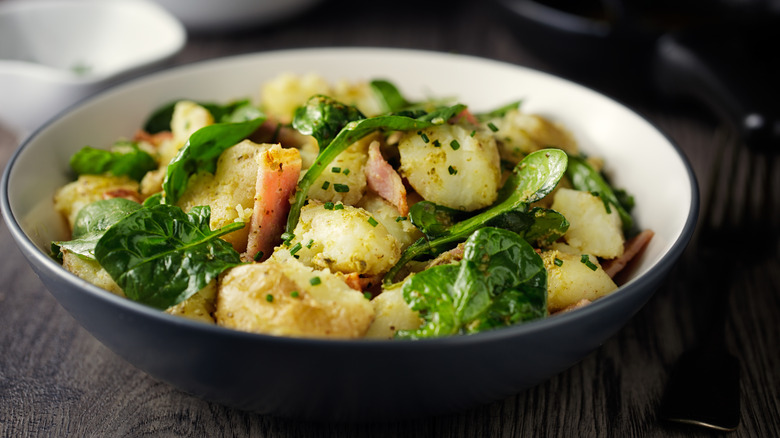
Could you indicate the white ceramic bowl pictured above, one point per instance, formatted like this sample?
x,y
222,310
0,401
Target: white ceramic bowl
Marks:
x,y
361,379
55,52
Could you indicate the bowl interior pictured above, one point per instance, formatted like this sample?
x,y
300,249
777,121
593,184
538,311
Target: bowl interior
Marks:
x,y
638,157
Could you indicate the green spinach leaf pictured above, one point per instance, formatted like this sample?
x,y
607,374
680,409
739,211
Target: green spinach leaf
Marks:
x,y
323,117
388,95
201,153
500,281
124,158
91,223
160,119
161,256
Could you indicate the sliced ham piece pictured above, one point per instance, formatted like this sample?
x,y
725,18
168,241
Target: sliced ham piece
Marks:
x,y
277,177
384,180
631,248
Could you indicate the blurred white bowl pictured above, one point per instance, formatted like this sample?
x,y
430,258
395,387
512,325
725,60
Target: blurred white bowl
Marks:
x,y
55,52
204,16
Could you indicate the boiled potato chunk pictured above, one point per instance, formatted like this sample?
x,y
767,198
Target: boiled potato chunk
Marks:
x,y
386,214
344,179
521,133
230,191
91,271
280,96
200,306
464,175
71,197
592,230
392,314
290,299
342,239
569,279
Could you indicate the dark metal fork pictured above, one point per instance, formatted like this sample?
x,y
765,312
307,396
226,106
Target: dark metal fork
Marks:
x,y
738,229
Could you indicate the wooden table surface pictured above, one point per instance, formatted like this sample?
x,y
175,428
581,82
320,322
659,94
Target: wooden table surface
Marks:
x,y
57,380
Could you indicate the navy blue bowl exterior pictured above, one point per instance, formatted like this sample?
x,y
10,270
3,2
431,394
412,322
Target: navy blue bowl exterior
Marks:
x,y
358,380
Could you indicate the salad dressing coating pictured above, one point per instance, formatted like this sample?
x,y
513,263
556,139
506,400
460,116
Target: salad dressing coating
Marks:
x,y
403,219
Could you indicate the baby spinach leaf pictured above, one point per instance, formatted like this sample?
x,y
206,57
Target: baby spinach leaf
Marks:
x,y
500,281
201,153
124,158
539,226
160,119
161,256
498,112
432,219
388,95
586,178
323,117
352,132
91,223
533,178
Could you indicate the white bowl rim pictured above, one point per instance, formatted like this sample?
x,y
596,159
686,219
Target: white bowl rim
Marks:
x,y
655,273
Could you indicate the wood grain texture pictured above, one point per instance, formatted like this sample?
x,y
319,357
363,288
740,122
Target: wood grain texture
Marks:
x,y
57,380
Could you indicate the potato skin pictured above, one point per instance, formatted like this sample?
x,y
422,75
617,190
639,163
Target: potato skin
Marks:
x,y
592,230
573,280
230,191
466,178
279,298
342,240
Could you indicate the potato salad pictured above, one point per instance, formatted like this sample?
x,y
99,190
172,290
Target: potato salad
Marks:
x,y
346,210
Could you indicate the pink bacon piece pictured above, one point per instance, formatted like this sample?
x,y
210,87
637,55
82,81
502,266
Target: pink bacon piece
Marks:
x,y
384,180
633,247
277,178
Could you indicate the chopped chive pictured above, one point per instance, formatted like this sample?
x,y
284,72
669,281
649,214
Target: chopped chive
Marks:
x,y
338,207
328,206
287,237
373,222
452,170
335,169
341,188
325,185
492,127
367,295
455,145
294,294
315,281
436,144
473,133
400,218
424,137
297,247
558,262
586,261
269,298
258,256
345,171
310,243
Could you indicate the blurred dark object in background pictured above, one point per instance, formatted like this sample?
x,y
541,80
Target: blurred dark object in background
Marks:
x,y
720,53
